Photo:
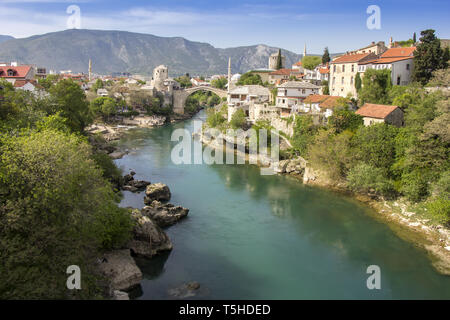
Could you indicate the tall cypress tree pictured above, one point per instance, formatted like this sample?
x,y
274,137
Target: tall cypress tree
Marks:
x,y
326,56
414,38
428,57
279,60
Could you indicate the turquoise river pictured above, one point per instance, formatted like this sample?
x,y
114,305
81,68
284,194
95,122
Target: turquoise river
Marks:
x,y
250,236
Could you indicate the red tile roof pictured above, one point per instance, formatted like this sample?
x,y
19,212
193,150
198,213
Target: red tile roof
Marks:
x,y
378,111
356,57
399,52
324,101
282,72
324,70
316,98
298,64
20,71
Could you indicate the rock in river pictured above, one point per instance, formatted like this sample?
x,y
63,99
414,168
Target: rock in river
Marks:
x,y
157,191
148,238
164,214
134,185
121,270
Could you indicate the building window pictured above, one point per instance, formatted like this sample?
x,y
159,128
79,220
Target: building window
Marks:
x,y
407,66
351,80
303,91
342,80
343,68
353,68
398,80
334,80
334,68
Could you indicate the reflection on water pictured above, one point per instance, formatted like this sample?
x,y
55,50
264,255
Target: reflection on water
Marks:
x,y
269,237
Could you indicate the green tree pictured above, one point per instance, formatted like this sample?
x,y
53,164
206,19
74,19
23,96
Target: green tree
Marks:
x,y
326,56
184,81
358,82
69,99
310,62
375,145
97,85
56,210
376,86
428,57
219,83
344,119
304,132
325,87
239,119
279,60
414,38
250,78
331,153
365,178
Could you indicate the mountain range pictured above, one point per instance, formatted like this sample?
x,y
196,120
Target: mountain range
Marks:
x,y
5,38
120,51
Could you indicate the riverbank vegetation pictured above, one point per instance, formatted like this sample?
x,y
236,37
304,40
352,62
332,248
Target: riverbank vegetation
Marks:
x,y
57,204
410,162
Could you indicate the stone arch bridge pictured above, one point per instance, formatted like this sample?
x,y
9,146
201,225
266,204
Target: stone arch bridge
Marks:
x,y
180,96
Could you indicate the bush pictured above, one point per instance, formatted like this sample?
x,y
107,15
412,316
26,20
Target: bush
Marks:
x,y
238,120
365,178
376,145
56,210
214,119
109,169
414,185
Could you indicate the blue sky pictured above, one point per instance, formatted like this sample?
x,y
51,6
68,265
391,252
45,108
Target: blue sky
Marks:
x,y
338,24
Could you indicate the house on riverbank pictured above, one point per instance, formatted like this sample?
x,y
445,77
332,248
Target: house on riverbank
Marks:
x,y
378,113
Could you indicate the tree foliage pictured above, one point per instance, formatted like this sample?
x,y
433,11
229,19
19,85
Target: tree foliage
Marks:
x,y
376,85
428,57
56,210
250,78
326,56
310,62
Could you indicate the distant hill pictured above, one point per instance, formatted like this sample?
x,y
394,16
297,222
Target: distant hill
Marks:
x,y
118,51
5,38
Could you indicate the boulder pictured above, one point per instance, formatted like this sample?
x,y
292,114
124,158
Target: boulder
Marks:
x,y
134,185
164,214
282,165
296,166
117,155
148,238
157,191
120,295
119,267
186,290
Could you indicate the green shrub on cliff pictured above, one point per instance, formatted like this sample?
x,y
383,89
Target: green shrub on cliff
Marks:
x,y
365,178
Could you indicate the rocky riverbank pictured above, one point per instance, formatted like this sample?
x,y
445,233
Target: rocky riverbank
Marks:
x,y
434,239
148,237
406,223
113,130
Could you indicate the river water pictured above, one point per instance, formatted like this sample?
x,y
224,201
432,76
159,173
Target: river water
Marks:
x,y
250,236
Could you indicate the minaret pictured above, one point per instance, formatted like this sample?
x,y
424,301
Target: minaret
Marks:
x,y
304,51
229,75
90,70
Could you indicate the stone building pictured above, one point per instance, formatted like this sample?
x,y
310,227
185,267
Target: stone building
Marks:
x,y
160,74
378,113
273,59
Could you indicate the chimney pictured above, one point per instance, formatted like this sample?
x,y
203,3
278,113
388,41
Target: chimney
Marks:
x,y
390,43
